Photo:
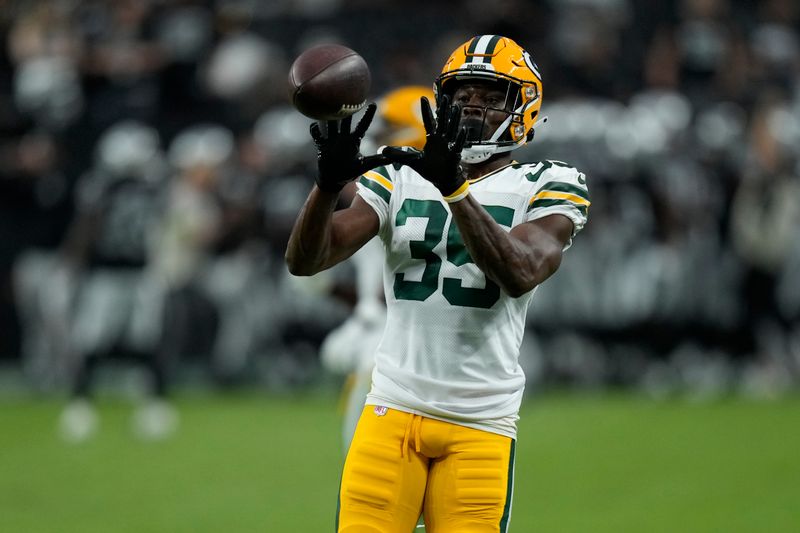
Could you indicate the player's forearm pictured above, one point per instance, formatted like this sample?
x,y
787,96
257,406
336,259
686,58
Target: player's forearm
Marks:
x,y
309,244
516,266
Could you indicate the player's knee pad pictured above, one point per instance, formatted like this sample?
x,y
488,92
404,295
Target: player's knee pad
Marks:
x,y
372,476
479,487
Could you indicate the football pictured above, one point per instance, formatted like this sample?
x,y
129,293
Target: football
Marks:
x,y
329,82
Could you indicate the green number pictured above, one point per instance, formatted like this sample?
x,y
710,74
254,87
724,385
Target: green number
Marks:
x,y
534,177
545,165
457,254
437,216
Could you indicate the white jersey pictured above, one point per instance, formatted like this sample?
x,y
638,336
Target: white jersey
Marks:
x,y
450,349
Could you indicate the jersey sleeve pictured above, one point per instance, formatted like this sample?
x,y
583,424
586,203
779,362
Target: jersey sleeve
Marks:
x,y
559,189
376,187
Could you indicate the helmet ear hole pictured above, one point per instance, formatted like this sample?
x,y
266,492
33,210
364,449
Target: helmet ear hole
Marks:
x,y
529,136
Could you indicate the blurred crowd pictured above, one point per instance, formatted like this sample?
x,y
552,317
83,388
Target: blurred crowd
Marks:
x,y
151,169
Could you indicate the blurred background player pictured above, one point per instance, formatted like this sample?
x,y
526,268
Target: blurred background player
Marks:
x,y
350,348
111,299
211,255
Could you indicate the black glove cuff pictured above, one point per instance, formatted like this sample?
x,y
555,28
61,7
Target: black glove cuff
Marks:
x,y
452,185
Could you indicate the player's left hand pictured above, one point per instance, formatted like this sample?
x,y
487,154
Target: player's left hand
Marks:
x,y
339,158
440,160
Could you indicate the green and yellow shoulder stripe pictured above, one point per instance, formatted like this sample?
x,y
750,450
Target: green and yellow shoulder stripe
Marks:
x,y
379,182
561,185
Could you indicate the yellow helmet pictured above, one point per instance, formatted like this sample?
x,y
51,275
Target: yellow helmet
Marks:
x,y
400,117
496,58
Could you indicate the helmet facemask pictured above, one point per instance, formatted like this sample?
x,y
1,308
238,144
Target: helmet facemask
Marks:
x,y
480,144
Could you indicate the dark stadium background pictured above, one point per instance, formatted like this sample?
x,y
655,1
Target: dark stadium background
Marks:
x,y
684,286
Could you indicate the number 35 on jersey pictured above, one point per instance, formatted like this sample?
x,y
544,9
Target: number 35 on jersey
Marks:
x,y
426,257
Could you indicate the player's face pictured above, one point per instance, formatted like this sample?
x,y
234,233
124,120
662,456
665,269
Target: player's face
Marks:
x,y
483,107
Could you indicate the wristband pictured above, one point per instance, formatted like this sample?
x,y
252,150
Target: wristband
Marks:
x,y
459,194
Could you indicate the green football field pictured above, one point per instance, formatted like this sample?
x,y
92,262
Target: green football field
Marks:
x,y
256,462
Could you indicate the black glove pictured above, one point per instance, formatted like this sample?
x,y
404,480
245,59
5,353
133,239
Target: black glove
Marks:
x,y
339,158
440,161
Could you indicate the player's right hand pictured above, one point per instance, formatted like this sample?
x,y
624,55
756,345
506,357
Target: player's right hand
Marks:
x,y
339,158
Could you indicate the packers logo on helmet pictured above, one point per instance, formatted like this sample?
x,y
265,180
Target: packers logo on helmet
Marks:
x,y
496,58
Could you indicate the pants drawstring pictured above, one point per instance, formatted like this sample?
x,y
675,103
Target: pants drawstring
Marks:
x,y
404,447
414,425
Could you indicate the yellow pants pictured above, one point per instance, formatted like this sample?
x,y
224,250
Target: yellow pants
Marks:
x,y
400,465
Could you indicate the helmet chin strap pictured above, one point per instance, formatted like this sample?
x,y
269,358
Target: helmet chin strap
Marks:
x,y
476,154
480,152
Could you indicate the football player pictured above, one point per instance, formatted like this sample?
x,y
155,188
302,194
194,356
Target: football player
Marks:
x,y
468,233
116,305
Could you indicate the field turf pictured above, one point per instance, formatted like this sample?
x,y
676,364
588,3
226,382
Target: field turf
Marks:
x,y
253,462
